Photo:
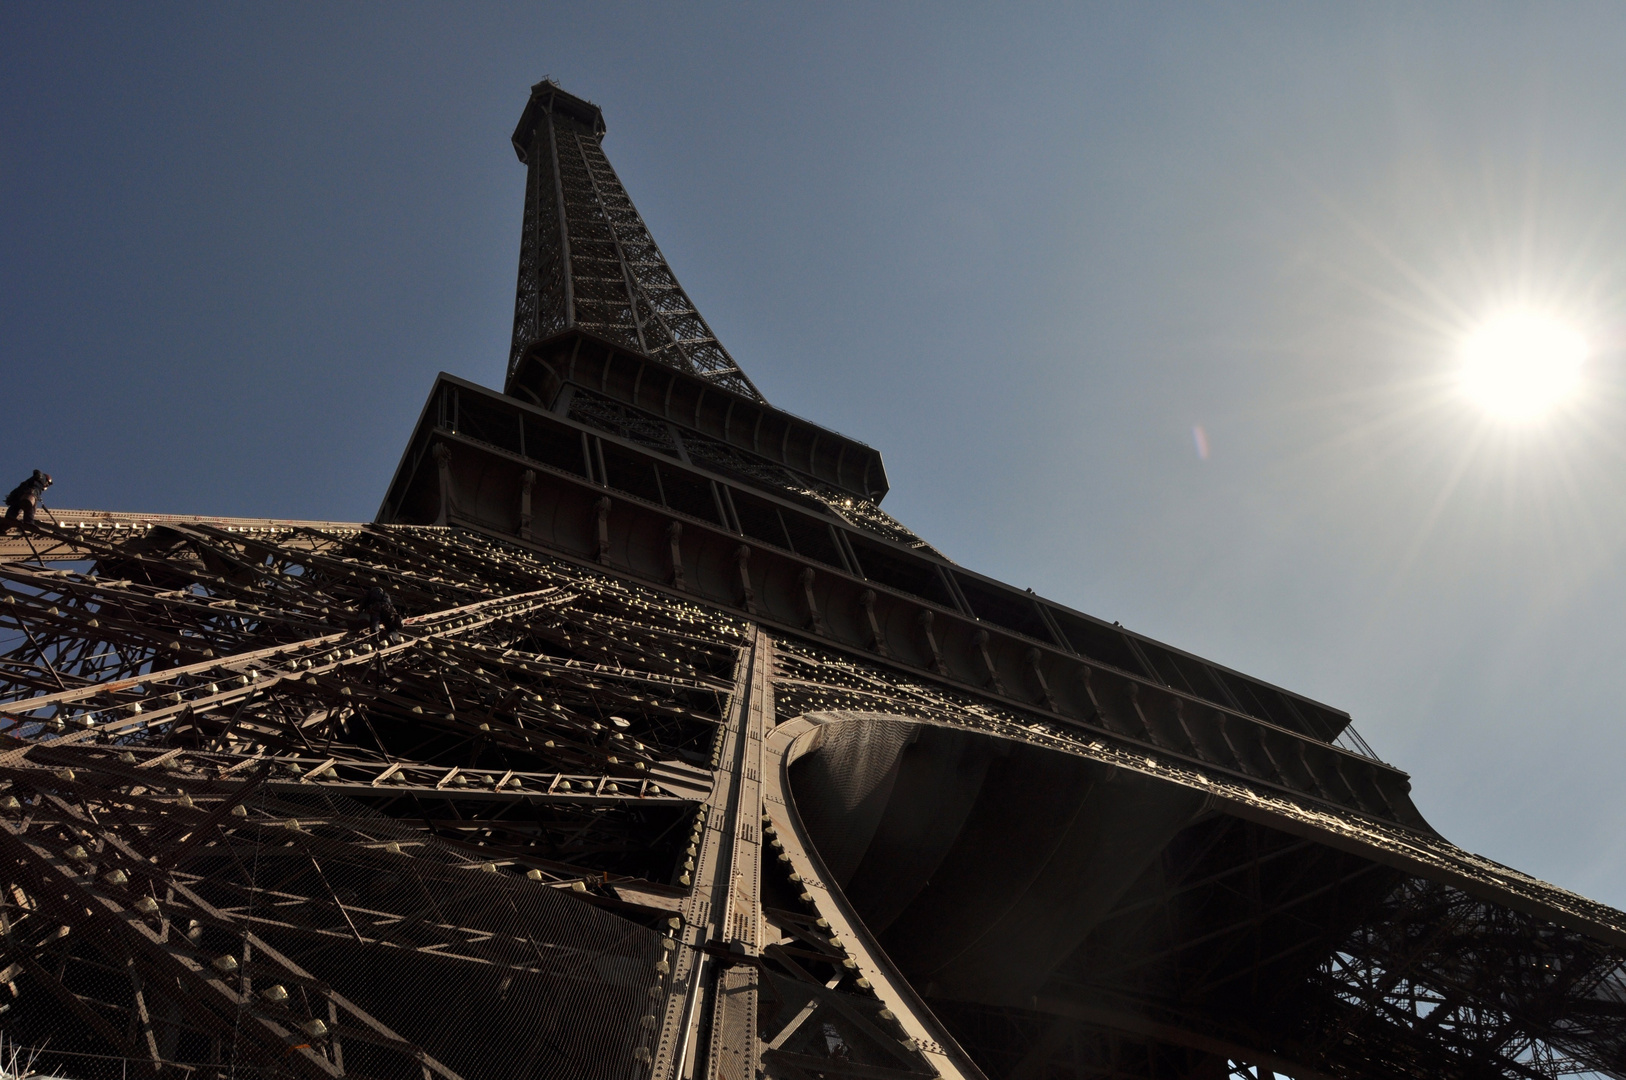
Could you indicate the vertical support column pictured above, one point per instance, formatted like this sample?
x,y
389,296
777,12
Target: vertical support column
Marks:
x,y
724,908
443,460
674,537
735,1051
980,639
876,641
526,480
603,508
1086,675
815,620
566,270
742,555
1045,698
925,619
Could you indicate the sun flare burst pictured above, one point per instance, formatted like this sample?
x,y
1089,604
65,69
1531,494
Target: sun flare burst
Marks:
x,y
1520,365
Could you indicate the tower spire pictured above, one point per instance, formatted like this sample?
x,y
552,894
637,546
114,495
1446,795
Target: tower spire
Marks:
x,y
587,260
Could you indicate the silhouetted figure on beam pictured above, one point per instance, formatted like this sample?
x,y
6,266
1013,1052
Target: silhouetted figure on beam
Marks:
x,y
24,500
380,611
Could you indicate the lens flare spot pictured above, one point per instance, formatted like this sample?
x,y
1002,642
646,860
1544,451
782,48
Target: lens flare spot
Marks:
x,y
1519,365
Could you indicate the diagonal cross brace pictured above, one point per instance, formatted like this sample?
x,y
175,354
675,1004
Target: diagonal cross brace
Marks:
x,y
127,927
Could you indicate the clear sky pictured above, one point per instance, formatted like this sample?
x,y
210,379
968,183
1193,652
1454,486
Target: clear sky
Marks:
x,y
1028,252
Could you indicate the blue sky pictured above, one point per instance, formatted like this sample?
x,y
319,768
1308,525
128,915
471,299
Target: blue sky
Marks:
x,y
1023,250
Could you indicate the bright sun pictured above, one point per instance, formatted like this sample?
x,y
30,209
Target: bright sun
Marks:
x,y
1519,365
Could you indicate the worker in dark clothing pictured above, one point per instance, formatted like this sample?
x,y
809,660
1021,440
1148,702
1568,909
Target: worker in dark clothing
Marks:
x,y
380,611
24,499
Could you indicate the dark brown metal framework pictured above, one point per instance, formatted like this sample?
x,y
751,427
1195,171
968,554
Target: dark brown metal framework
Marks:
x,y
586,258
691,761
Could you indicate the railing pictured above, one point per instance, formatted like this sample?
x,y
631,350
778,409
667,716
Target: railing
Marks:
x,y
1350,739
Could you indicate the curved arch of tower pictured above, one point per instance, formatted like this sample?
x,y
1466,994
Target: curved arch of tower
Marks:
x,y
688,761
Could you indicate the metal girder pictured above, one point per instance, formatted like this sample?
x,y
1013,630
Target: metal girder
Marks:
x,y
543,732
486,738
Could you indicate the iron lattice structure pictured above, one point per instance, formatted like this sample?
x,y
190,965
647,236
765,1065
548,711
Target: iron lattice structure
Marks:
x,y
587,260
690,761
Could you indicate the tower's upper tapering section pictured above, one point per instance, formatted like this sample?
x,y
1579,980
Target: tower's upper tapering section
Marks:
x,y
587,260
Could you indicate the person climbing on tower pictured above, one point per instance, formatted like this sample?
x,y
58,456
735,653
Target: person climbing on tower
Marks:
x,y
24,499
380,611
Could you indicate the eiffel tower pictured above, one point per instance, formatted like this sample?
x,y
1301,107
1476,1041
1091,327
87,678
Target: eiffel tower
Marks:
x,y
686,760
